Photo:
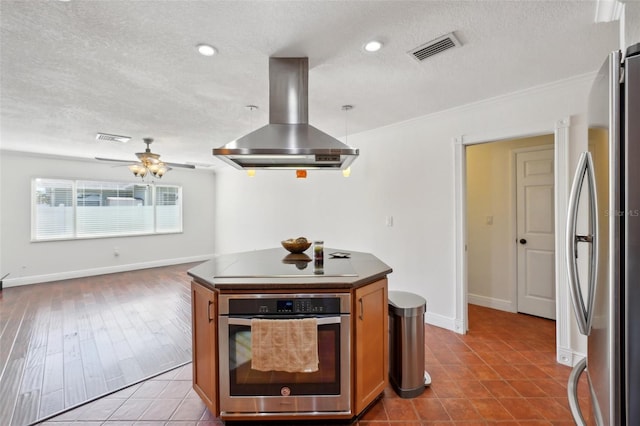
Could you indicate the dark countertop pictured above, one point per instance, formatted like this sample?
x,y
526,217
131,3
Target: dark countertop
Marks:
x,y
276,269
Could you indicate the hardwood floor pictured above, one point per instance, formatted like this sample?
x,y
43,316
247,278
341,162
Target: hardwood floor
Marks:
x,y
67,342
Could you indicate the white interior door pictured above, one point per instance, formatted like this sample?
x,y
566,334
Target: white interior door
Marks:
x,y
535,233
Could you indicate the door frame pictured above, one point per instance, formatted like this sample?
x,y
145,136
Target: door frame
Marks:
x,y
561,131
514,215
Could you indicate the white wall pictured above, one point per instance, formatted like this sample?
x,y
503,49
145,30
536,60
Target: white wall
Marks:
x,y
406,171
491,250
30,262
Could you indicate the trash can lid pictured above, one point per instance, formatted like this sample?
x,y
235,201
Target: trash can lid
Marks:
x,y
406,304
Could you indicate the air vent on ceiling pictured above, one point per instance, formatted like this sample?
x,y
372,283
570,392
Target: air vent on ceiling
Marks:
x,y
112,138
445,42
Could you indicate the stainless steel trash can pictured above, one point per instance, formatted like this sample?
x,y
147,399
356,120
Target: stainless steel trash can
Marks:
x,y
406,343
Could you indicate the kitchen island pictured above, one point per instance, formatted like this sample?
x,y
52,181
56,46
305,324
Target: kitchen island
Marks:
x,y
345,297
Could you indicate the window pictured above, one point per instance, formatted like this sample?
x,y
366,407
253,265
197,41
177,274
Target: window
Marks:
x,y
69,209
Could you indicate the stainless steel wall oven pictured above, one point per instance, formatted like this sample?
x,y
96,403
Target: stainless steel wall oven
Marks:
x,y
246,391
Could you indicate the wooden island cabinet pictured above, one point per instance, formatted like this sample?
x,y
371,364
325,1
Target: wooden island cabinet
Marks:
x,y
368,334
370,343
204,331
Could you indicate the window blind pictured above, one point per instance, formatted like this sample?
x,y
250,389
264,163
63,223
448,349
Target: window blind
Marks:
x,y
67,209
53,217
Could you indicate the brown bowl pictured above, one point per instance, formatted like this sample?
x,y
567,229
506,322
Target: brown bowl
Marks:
x,y
296,246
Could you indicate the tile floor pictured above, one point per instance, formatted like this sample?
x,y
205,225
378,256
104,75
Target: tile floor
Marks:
x,y
502,372
167,399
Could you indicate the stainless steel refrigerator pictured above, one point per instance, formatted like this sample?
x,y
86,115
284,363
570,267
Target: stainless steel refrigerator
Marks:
x,y
603,246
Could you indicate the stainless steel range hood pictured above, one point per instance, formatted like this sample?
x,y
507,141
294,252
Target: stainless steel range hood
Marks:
x,y
288,141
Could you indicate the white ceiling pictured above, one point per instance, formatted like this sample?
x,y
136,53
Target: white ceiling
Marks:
x,y
71,69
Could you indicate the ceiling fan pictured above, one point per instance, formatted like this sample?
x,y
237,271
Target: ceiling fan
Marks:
x,y
149,162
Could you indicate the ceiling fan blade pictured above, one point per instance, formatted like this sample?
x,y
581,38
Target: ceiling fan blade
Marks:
x,y
148,158
184,166
113,160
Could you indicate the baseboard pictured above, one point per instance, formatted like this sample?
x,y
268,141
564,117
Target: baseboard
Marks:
x,y
35,279
491,302
440,321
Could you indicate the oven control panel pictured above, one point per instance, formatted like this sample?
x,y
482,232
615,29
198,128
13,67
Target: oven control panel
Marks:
x,y
285,306
302,306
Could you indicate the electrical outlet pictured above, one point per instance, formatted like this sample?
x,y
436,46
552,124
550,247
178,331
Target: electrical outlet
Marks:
x,y
389,221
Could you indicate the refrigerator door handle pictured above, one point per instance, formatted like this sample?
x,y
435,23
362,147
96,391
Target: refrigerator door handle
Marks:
x,y
572,392
584,312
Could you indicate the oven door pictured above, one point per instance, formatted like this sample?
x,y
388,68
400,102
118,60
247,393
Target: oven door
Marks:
x,y
243,390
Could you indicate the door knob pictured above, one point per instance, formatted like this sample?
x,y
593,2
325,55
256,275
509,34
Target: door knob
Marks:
x,y
523,241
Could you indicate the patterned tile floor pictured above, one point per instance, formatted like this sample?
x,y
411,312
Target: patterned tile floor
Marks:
x,y
167,399
503,372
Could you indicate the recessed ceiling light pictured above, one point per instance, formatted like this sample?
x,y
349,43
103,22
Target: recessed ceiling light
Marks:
x,y
372,46
206,50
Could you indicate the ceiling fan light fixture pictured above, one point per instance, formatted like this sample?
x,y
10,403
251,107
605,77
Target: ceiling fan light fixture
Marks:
x,y
149,163
138,170
149,159
206,49
161,171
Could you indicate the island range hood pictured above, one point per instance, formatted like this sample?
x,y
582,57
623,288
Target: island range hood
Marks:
x,y
288,141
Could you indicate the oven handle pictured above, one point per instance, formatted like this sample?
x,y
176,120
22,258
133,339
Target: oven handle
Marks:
x,y
320,320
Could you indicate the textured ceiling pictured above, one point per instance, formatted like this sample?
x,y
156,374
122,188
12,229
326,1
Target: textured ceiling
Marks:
x,y
70,69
